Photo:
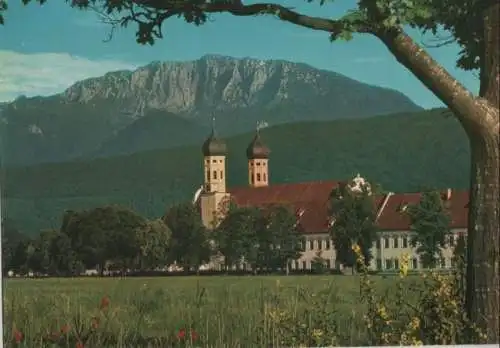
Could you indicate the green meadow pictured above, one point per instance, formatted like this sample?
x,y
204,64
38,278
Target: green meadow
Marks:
x,y
230,311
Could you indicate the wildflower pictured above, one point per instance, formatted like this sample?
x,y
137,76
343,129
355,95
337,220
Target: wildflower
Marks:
x,y
18,336
79,344
181,335
317,333
104,303
404,264
356,249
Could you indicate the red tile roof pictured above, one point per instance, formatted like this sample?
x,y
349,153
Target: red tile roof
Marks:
x,y
313,198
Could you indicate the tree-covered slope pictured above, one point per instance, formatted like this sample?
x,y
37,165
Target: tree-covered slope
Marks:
x,y
402,152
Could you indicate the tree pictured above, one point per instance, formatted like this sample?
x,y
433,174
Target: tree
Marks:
x,y
431,226
154,241
474,25
283,237
318,263
236,234
104,234
13,247
352,209
189,244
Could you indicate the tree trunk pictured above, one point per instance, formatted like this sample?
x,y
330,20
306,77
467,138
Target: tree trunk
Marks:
x,y
482,290
483,281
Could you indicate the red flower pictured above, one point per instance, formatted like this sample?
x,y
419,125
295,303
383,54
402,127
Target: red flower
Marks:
x,y
104,303
194,335
79,345
181,335
18,336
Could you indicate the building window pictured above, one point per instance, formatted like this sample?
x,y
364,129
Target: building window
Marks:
x,y
327,246
258,163
396,242
320,244
379,264
387,243
377,244
451,240
396,263
264,176
214,161
311,245
415,263
214,174
304,265
221,174
208,175
388,263
258,176
296,264
405,242
328,264
252,178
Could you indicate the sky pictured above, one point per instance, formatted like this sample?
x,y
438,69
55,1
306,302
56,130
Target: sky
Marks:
x,y
44,49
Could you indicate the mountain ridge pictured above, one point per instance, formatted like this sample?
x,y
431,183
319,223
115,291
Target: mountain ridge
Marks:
x,y
103,116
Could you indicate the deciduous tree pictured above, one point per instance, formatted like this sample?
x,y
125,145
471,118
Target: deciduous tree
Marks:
x,y
189,243
353,215
431,226
104,234
154,241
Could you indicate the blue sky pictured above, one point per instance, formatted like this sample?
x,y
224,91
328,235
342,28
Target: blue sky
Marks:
x,y
44,49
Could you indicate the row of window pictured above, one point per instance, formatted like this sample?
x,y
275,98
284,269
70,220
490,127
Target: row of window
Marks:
x,y
387,242
214,175
258,164
257,177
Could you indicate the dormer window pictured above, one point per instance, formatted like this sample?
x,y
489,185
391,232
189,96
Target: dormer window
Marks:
x,y
300,212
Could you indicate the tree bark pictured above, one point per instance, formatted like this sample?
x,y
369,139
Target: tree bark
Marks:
x,y
483,281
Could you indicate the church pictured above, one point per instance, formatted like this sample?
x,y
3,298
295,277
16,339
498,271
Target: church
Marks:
x,y
310,202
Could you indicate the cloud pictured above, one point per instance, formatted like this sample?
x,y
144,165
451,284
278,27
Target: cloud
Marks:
x,y
48,73
365,60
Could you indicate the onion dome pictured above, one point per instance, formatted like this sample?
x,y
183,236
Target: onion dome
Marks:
x,y
257,149
214,146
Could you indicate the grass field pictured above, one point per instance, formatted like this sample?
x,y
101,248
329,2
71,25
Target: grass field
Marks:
x,y
224,311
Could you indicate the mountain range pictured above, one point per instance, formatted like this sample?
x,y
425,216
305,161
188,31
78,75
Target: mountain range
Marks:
x,y
169,104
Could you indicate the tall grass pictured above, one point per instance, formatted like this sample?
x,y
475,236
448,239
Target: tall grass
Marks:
x,y
223,311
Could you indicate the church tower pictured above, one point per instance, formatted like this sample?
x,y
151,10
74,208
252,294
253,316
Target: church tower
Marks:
x,y
214,184
258,157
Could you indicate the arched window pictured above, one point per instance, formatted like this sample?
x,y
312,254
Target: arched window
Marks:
x,y
215,174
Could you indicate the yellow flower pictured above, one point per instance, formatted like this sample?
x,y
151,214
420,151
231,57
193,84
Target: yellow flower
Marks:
x,y
404,264
317,333
356,249
415,323
382,312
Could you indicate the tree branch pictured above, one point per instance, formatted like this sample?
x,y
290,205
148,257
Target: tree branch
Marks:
x,y
238,9
459,99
